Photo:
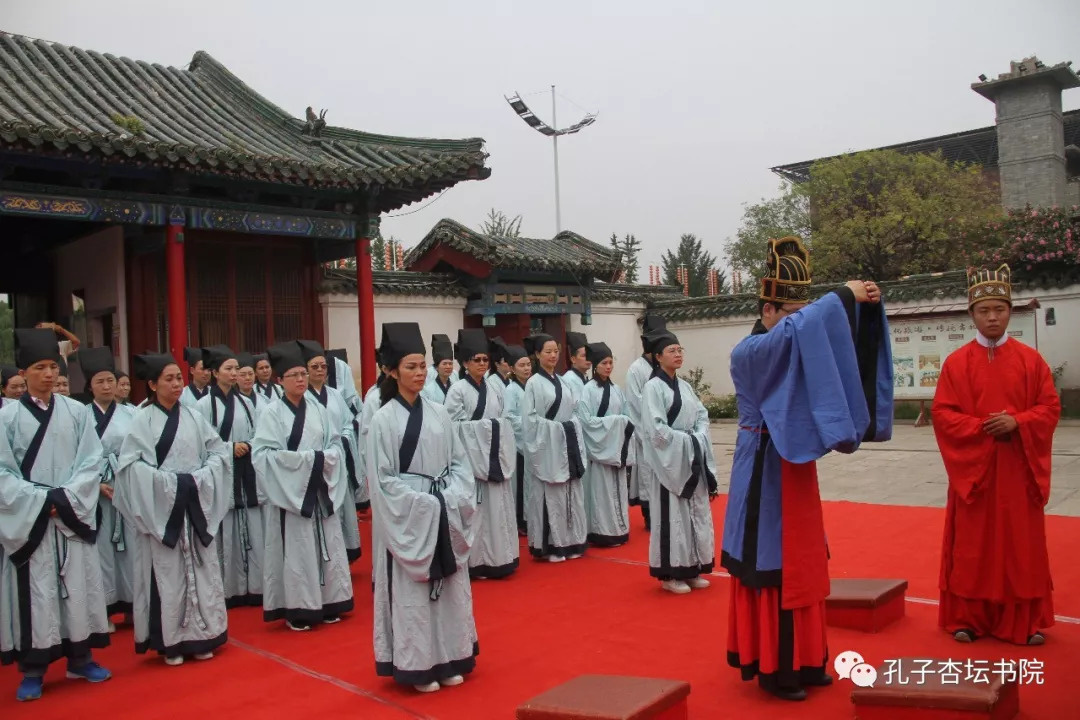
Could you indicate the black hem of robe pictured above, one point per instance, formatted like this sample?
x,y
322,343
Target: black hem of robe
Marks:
x,y
494,572
187,647
434,674
750,578
245,600
363,506
353,554
64,649
685,572
306,616
120,606
807,675
599,540
558,551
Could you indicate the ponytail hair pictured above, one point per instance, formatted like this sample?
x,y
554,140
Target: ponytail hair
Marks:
x,y
388,389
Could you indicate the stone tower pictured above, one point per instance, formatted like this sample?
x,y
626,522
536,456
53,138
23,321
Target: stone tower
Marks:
x,y
1031,137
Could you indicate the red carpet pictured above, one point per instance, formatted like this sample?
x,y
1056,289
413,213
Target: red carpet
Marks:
x,y
602,614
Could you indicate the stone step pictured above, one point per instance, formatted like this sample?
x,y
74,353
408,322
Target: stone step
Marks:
x,y
609,697
907,695
866,604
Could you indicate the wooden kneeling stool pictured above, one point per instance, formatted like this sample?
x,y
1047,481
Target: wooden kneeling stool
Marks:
x,y
866,604
934,700
609,697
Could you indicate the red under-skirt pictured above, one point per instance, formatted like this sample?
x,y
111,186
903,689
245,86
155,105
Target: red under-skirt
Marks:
x,y
1013,621
764,639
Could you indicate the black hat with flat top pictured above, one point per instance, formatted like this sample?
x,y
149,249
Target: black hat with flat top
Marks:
x,y
149,366
400,340
33,345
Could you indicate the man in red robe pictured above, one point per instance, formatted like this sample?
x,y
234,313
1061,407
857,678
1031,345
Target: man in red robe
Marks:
x,y
995,411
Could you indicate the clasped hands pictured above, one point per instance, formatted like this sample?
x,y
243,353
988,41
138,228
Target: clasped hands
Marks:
x,y
865,291
999,423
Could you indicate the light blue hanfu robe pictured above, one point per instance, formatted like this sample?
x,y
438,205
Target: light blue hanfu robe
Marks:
x,y
576,380
240,543
641,479
300,469
555,463
270,390
435,391
488,439
372,403
820,380
117,558
341,417
675,428
514,398
609,443
50,460
191,395
174,487
496,385
340,377
424,514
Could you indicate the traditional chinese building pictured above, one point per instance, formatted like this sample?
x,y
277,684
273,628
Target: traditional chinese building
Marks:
x,y
156,207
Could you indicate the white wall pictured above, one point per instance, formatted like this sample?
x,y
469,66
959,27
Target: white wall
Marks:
x,y
709,343
434,314
615,324
94,264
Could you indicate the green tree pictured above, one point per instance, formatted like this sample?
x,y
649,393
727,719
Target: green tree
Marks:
x,y
786,214
499,224
378,252
882,214
630,247
697,261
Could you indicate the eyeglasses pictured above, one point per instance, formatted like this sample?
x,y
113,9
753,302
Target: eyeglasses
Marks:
x,y
294,375
482,360
318,366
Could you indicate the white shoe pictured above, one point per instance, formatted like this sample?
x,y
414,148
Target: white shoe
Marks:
x,y
298,627
452,680
429,688
575,556
698,583
556,558
675,586
203,656
174,661
112,628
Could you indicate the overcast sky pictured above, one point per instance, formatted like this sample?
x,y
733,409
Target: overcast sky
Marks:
x,y
696,100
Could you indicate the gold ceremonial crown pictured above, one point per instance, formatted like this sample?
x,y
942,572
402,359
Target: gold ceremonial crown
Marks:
x,y
989,285
787,276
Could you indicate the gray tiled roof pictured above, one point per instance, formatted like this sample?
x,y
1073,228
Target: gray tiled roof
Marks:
x,y
64,99
567,252
395,282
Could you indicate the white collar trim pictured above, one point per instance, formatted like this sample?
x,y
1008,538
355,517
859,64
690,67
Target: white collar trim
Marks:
x,y
986,342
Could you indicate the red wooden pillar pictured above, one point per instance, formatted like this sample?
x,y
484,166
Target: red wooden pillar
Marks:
x,y
176,289
365,301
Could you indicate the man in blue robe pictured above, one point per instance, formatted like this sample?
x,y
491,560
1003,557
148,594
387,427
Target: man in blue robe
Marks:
x,y
810,378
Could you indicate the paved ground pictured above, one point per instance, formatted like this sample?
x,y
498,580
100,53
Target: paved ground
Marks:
x,y
908,470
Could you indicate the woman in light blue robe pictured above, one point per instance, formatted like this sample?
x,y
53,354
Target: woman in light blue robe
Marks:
x,y
424,517
112,422
340,377
174,487
555,460
520,371
50,471
576,374
240,543
488,439
341,417
608,435
639,373
438,385
199,386
264,378
299,464
678,447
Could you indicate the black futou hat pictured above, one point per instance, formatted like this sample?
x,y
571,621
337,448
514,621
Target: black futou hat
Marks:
x,y
575,341
470,343
149,366
535,343
95,360
32,345
284,357
441,349
597,352
192,356
214,357
310,350
246,360
400,340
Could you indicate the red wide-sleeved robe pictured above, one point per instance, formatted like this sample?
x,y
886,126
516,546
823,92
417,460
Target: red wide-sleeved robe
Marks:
x,y
995,574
